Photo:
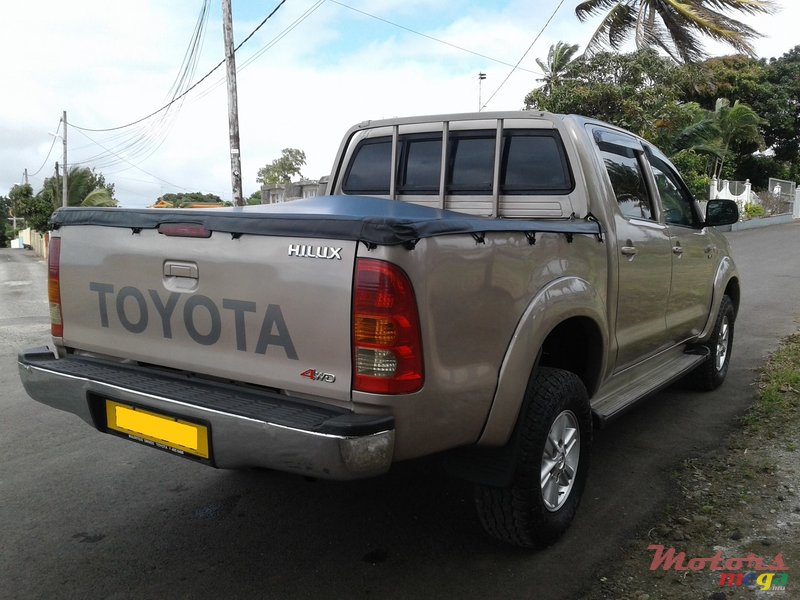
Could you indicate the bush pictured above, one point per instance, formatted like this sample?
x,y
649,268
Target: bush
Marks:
x,y
754,211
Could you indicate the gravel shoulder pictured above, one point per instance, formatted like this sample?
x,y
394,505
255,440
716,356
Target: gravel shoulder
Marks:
x,y
742,502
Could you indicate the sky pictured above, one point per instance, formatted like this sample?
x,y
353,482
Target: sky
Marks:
x,y
313,70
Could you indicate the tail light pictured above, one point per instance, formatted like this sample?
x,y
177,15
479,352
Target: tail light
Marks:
x,y
387,347
54,286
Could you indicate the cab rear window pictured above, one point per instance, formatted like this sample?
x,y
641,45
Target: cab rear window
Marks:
x,y
532,162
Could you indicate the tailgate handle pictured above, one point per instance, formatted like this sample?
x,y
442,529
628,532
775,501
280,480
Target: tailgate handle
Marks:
x,y
174,268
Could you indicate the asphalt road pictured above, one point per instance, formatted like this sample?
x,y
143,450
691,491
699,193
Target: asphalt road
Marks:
x,y
85,515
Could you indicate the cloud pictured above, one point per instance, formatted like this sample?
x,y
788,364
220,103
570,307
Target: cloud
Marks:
x,y
110,63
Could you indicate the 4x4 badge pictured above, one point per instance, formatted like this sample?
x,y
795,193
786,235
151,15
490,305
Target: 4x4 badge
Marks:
x,y
318,376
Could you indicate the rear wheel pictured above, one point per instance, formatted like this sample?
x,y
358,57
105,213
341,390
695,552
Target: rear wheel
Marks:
x,y
552,460
710,375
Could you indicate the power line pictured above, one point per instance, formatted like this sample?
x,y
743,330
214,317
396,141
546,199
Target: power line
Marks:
x,y
52,145
133,165
536,39
206,76
430,37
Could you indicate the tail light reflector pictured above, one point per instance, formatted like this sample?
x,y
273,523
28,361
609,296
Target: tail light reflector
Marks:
x,y
54,287
387,346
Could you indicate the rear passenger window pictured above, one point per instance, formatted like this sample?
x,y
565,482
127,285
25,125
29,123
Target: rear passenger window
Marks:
x,y
370,168
534,163
625,172
471,164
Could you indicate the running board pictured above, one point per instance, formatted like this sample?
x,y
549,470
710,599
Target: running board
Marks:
x,y
650,377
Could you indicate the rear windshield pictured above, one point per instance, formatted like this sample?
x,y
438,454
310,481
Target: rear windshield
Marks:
x,y
532,162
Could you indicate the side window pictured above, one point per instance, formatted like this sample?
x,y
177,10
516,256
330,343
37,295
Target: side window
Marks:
x,y
534,163
676,201
627,180
471,164
370,168
422,161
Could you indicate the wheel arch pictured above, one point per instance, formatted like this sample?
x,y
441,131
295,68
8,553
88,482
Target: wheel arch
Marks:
x,y
564,327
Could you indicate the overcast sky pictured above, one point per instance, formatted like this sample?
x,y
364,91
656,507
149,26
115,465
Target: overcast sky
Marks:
x,y
307,75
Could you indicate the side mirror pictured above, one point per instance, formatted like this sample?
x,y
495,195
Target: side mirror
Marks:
x,y
721,212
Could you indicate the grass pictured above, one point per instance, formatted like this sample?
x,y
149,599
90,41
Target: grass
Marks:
x,y
778,405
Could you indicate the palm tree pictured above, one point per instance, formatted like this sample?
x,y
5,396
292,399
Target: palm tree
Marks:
x,y
99,197
675,26
736,123
558,58
79,185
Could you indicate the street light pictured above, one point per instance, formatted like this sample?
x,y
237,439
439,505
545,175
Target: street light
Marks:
x,y
481,77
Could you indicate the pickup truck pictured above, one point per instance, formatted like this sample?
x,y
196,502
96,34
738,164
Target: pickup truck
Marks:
x,y
487,287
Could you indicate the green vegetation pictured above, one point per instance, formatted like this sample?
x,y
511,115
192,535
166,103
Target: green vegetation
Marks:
x,y
280,170
754,211
671,25
712,118
182,200
84,188
777,409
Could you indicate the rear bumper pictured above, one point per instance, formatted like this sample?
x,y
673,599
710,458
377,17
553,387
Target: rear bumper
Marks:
x,y
248,428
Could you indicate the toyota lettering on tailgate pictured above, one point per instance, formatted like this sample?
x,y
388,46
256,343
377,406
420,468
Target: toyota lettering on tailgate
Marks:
x,y
133,309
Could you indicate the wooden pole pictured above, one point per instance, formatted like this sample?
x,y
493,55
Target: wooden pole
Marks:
x,y
233,104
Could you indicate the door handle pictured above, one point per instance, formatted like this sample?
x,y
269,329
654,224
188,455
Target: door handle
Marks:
x,y
628,250
174,268
677,250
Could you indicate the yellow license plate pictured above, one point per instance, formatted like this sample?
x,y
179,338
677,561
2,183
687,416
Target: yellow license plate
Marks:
x,y
153,429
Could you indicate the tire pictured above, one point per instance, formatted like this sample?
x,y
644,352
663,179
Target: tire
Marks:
x,y
553,438
710,375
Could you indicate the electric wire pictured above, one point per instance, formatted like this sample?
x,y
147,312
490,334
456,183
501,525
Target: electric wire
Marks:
x,y
49,152
516,67
206,76
430,37
123,159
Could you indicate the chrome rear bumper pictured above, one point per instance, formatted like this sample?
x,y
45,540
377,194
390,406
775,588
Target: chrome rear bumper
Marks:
x,y
248,428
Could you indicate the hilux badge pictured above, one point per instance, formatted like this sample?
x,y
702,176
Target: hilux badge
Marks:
x,y
304,251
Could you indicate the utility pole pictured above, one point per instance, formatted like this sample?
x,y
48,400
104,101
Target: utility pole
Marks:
x,y
64,179
233,104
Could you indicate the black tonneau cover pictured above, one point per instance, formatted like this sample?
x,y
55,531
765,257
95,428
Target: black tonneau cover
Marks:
x,y
369,220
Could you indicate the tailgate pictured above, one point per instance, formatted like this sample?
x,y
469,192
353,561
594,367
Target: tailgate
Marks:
x,y
272,311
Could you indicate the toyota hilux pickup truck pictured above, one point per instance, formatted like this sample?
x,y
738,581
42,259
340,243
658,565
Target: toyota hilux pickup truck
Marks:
x,y
487,287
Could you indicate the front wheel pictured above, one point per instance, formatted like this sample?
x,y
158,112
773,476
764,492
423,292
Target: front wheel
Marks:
x,y
710,375
552,440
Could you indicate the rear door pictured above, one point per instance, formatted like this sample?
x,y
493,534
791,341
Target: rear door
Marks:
x,y
643,247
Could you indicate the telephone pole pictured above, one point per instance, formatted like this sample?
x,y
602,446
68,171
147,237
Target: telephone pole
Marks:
x,y
233,104
64,187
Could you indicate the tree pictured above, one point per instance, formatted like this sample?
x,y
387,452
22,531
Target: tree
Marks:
x,y
255,198
675,26
736,123
280,170
81,181
6,211
182,200
772,89
639,91
99,197
558,58
36,210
